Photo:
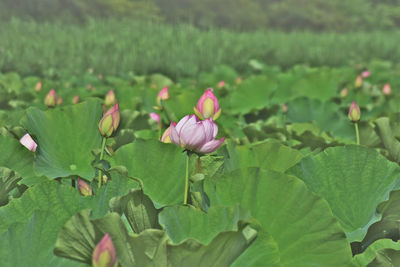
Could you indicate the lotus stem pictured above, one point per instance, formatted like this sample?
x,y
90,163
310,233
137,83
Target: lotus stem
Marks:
x,y
186,179
103,145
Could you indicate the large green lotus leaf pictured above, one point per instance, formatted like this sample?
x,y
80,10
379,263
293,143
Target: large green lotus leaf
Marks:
x,y
300,224
31,244
252,94
377,251
182,222
181,104
160,166
325,114
17,158
354,180
270,155
65,139
151,247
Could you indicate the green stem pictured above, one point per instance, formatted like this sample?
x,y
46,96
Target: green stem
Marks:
x,y
103,145
159,131
186,179
357,134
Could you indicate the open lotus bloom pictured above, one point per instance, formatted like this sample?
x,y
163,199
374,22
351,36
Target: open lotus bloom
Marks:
x,y
208,106
28,142
104,254
192,134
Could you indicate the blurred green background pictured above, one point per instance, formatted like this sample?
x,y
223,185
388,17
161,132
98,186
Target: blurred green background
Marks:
x,y
182,38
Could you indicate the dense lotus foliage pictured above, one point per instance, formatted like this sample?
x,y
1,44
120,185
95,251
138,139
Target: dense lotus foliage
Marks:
x,y
273,168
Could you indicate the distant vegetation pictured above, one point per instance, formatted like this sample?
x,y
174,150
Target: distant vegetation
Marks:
x,y
315,15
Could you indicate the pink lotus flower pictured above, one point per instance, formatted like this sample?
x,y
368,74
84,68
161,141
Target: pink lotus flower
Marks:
x,y
110,121
354,112
110,98
162,95
104,254
221,84
38,86
208,106
51,97
84,188
195,135
165,137
365,73
387,90
28,142
156,117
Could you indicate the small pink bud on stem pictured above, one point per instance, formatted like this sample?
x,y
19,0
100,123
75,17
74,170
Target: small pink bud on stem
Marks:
x,y
84,188
162,95
110,121
51,98
110,98
104,254
354,112
208,106
359,81
387,90
38,86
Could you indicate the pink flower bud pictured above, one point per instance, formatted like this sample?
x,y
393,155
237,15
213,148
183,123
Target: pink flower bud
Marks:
x,y
221,84
91,70
387,90
50,100
208,106
284,108
165,137
84,188
195,135
354,112
238,80
104,254
110,121
59,101
359,81
100,76
344,92
156,117
28,142
38,86
162,95
110,98
365,73
75,100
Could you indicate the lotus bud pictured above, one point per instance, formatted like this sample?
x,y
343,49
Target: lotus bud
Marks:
x,y
28,142
59,101
110,98
75,100
100,76
386,90
155,117
38,86
221,84
284,108
208,106
91,70
84,188
354,112
365,73
344,92
50,100
238,80
110,121
104,254
162,95
165,137
359,81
